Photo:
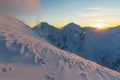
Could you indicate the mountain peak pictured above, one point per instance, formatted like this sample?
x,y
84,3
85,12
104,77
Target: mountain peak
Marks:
x,y
22,52
44,23
71,26
43,26
72,23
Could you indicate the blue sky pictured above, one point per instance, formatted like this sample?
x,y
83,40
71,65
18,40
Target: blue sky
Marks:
x,y
82,12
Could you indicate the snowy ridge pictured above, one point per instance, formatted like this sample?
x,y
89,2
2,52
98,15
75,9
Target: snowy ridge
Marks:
x,y
49,33
70,26
73,35
102,47
16,24
32,59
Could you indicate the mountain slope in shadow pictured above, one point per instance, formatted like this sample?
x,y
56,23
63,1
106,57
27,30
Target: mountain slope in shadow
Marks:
x,y
102,47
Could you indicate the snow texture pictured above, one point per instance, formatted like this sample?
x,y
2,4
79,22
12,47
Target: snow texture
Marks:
x,y
24,56
102,47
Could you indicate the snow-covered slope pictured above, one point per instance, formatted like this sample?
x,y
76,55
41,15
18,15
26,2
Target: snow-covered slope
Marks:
x,y
69,38
16,24
24,57
102,47
73,37
49,33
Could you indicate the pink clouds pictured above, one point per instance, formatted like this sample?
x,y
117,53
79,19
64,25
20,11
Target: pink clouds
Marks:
x,y
101,12
26,5
16,6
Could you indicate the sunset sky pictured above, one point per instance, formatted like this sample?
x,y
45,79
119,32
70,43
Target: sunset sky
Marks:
x,y
82,12
62,12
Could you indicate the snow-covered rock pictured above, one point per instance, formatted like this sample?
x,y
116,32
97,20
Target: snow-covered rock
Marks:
x,y
24,57
102,47
74,36
49,33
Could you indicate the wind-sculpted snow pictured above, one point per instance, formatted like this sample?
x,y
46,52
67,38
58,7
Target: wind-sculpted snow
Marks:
x,y
24,57
17,25
101,46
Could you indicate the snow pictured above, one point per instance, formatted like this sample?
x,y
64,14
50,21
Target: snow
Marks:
x,y
102,47
24,57
73,33
48,32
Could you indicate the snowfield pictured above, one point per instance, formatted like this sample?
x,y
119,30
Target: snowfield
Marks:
x,y
25,56
100,46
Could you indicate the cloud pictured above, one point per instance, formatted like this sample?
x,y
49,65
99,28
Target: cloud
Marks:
x,y
98,9
92,14
100,12
13,7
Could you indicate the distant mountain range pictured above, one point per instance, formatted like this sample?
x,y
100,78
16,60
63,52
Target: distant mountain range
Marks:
x,y
27,56
102,47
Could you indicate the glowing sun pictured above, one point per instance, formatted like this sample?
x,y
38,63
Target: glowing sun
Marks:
x,y
100,25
